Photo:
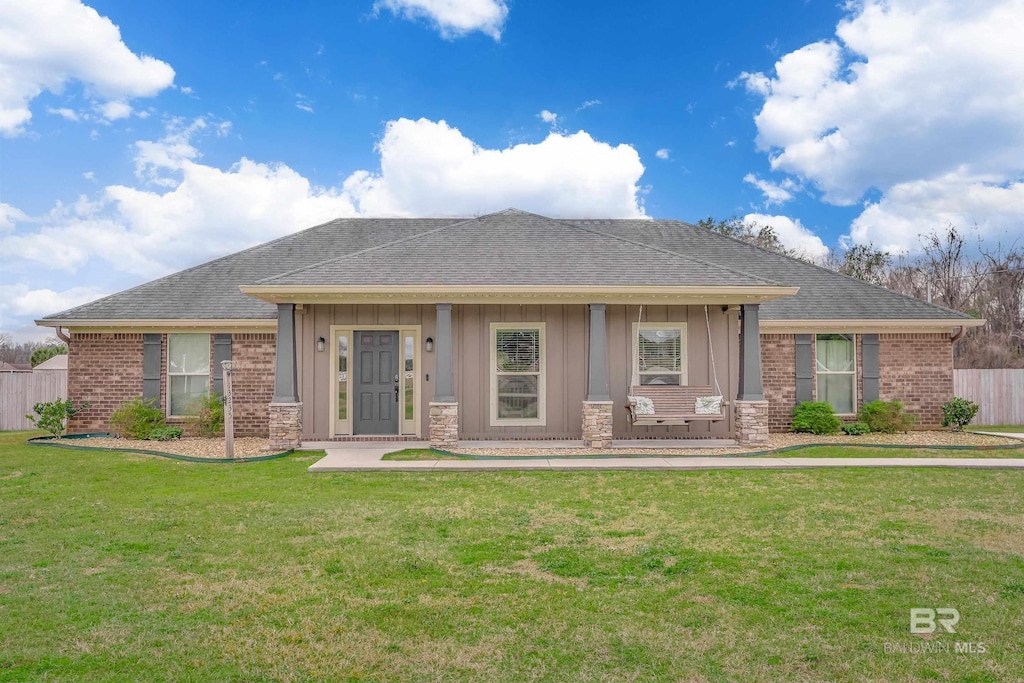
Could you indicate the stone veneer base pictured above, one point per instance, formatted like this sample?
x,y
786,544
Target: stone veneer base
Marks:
x,y
752,423
444,425
285,425
597,424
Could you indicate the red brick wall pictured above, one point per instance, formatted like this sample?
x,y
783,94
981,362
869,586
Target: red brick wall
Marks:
x,y
778,372
916,369
105,369
252,375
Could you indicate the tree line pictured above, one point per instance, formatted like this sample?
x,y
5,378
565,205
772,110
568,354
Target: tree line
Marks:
x,y
980,280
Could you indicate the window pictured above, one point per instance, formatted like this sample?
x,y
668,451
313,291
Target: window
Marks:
x,y
342,377
517,374
837,371
188,370
660,353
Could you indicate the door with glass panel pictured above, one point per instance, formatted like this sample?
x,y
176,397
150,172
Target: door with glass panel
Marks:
x,y
376,383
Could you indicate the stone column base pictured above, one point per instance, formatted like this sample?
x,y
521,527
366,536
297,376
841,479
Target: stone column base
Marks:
x,y
285,425
752,423
597,424
444,425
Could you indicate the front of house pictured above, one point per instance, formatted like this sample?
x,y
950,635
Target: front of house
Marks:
x,y
505,326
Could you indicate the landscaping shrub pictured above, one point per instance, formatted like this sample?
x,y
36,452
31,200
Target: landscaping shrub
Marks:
x,y
856,428
136,419
166,433
208,414
53,415
887,417
958,413
816,417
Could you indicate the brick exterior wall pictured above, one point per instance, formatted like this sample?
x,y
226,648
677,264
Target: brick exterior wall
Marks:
x,y
778,375
918,370
106,371
252,376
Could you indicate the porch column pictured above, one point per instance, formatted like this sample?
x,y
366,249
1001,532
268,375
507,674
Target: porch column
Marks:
x,y
444,409
285,407
751,416
597,409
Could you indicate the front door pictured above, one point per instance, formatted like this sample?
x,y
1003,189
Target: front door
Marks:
x,y
376,383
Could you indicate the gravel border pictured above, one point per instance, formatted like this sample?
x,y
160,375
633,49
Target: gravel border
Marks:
x,y
192,449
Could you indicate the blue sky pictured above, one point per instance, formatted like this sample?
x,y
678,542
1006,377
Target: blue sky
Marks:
x,y
140,138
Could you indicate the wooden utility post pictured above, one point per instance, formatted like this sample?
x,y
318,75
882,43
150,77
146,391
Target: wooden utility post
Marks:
x,y
229,412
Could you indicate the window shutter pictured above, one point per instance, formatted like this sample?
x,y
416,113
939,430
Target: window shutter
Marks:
x,y
869,367
152,345
221,351
804,368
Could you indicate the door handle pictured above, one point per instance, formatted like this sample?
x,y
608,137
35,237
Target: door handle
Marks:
x,y
396,393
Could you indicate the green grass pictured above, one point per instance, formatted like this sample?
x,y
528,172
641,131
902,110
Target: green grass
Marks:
x,y
869,452
1015,429
419,454
121,567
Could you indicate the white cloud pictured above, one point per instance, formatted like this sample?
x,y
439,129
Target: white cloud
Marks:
x,y
923,207
791,233
587,105
45,44
112,111
430,168
662,153
195,211
452,18
19,300
774,193
548,117
909,90
64,112
10,215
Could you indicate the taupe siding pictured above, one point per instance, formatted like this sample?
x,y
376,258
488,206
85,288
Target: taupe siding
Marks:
x,y
566,334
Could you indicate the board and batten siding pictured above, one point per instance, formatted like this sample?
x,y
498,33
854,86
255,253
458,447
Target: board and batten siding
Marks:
x,y
998,393
566,335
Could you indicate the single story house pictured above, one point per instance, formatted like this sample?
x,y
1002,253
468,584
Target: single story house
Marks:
x,y
508,326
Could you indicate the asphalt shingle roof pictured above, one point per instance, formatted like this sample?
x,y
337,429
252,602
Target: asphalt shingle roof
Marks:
x,y
507,248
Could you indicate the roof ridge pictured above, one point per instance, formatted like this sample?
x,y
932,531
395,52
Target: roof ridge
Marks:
x,y
196,267
458,221
667,251
819,267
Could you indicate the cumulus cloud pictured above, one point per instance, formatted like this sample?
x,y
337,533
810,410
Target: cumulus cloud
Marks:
x,y
909,96
548,117
792,233
185,211
46,44
10,215
774,193
452,18
662,153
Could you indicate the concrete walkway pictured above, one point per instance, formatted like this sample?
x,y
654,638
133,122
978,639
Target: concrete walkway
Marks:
x,y
366,456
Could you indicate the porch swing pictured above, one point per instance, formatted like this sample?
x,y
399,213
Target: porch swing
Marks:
x,y
668,404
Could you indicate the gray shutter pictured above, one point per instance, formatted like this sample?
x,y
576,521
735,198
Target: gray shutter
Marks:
x,y
804,368
221,351
151,370
869,367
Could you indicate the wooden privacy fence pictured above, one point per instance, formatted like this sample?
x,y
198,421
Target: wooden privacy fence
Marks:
x,y
19,391
1000,393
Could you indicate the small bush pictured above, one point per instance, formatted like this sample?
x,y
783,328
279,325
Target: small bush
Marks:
x,y
816,418
958,413
53,415
856,428
165,434
208,414
887,417
136,419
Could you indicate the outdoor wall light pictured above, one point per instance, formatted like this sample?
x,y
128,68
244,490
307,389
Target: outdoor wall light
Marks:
x,y
430,344
321,344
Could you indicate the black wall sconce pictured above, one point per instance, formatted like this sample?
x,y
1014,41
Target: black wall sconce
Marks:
x,y
430,344
321,344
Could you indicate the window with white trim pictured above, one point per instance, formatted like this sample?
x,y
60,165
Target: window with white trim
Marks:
x,y
517,374
659,353
188,371
836,369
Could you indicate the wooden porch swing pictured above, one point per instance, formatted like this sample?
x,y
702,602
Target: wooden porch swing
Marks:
x,y
677,404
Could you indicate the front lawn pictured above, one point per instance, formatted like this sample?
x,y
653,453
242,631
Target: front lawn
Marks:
x,y
121,567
